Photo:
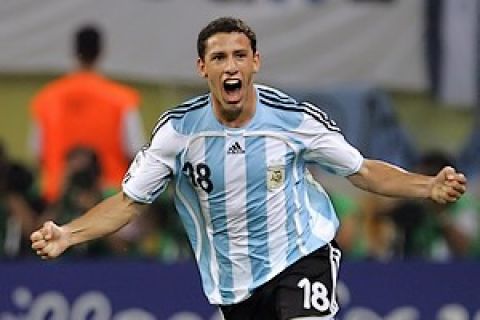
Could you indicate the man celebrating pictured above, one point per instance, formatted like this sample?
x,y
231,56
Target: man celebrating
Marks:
x,y
261,228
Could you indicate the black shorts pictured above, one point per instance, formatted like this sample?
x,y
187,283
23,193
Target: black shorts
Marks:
x,y
306,288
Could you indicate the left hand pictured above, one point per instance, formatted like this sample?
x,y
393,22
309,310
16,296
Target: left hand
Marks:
x,y
448,186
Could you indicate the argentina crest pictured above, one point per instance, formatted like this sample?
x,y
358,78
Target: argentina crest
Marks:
x,y
275,177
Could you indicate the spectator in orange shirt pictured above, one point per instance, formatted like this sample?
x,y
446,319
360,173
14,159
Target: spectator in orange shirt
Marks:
x,y
84,108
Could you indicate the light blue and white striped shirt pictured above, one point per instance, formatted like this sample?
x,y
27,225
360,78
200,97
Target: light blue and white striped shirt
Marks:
x,y
244,195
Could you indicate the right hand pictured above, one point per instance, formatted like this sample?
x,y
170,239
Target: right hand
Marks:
x,y
50,240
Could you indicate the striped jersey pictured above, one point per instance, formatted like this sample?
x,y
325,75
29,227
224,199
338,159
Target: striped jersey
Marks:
x,y
248,204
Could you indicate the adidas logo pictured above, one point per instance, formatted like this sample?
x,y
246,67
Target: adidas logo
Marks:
x,y
235,148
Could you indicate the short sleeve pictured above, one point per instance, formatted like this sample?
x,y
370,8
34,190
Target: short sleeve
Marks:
x,y
153,166
326,146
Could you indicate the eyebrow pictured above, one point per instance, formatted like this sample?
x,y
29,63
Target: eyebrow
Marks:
x,y
224,52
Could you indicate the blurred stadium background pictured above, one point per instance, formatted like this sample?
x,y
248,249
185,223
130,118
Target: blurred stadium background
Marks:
x,y
405,71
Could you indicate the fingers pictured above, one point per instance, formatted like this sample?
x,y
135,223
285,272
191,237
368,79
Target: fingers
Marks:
x,y
455,188
47,230
36,236
456,177
448,172
449,193
43,240
48,250
450,186
454,185
451,174
39,244
45,249
457,184
451,198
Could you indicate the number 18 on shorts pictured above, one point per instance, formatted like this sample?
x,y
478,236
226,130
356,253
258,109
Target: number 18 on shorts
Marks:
x,y
307,288
304,289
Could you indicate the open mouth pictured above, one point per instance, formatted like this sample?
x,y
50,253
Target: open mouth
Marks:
x,y
232,85
232,89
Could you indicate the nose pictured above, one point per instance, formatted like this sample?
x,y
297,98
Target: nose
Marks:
x,y
231,66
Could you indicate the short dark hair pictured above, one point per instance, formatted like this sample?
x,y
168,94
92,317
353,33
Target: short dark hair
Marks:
x,y
88,44
226,25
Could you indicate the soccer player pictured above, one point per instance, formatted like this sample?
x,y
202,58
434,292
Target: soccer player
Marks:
x,y
261,228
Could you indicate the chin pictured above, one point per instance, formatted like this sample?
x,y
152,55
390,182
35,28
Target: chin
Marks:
x,y
235,103
231,105
233,110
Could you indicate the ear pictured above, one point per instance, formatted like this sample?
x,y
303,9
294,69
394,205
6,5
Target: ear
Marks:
x,y
201,69
256,62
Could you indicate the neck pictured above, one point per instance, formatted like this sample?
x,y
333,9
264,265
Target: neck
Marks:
x,y
236,116
86,66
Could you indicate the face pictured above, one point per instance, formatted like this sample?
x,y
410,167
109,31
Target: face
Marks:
x,y
229,66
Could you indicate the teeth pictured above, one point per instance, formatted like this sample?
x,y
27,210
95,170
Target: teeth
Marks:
x,y
232,81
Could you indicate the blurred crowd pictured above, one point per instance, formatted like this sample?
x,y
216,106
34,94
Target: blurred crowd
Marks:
x,y
382,228
157,234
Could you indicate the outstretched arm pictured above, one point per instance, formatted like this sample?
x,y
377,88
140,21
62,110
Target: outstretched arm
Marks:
x,y
108,216
386,179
